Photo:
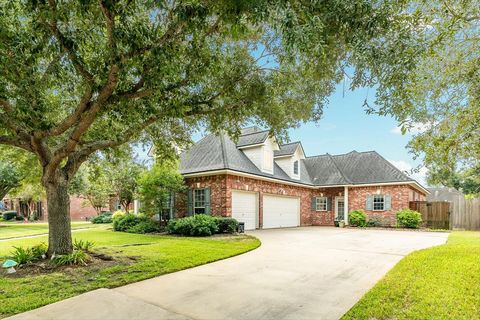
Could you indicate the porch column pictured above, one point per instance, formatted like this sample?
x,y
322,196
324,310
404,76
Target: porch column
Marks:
x,y
135,206
345,205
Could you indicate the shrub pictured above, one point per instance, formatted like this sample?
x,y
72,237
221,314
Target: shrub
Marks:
x,y
374,222
83,245
199,225
408,218
125,222
102,218
118,213
145,225
226,225
22,255
135,224
75,258
357,218
9,215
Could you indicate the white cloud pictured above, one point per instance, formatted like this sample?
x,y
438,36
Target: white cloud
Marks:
x,y
412,128
420,175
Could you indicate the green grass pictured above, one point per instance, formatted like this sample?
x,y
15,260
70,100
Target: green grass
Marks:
x,y
437,283
20,229
155,255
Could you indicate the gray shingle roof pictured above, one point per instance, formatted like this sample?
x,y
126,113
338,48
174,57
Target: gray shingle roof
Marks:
x,y
287,149
220,152
252,138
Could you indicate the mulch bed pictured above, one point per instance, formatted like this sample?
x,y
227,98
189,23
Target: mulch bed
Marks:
x,y
98,261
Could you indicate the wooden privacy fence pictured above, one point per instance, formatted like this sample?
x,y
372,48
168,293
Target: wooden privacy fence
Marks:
x,y
435,215
465,214
460,214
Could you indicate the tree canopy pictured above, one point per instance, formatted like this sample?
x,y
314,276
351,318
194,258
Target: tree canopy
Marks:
x,y
10,178
437,93
79,77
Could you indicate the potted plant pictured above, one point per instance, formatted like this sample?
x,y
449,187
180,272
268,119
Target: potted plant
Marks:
x,y
336,222
341,224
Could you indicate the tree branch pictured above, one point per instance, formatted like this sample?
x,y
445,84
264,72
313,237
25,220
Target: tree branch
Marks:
x,y
67,45
16,142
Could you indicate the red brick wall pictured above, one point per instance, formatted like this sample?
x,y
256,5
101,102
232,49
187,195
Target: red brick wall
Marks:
x,y
80,209
221,187
401,196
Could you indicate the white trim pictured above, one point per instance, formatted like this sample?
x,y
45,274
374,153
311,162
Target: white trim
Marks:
x,y
258,177
326,204
345,205
247,175
282,156
252,145
336,206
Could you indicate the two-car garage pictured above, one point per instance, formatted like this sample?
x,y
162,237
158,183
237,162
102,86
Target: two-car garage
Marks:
x,y
278,211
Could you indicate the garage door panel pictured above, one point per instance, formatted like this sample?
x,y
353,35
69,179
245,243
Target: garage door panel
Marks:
x,y
279,212
245,208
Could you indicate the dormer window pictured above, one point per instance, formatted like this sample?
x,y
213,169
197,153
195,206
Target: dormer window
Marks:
x,y
295,167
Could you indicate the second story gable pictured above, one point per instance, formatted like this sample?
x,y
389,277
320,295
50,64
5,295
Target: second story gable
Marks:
x,y
259,147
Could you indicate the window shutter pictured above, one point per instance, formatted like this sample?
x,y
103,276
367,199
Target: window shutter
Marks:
x,y
314,203
388,202
207,201
329,203
369,204
190,202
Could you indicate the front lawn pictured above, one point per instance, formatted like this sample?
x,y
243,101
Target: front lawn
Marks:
x,y
138,257
437,283
19,229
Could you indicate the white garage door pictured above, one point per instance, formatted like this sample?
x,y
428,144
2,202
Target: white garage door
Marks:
x,y
244,208
280,212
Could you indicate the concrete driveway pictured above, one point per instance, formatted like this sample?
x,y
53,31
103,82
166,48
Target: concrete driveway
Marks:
x,y
298,273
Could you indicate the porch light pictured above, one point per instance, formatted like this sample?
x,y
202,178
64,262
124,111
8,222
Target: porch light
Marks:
x,y
10,266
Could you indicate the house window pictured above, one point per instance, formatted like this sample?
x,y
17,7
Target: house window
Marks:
x,y
378,203
199,201
295,167
321,204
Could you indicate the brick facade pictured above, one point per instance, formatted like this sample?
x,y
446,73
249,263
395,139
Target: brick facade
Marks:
x,y
80,210
221,187
401,196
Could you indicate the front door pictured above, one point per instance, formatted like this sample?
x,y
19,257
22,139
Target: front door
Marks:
x,y
339,208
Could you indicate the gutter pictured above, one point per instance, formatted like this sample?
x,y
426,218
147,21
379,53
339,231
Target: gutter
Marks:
x,y
309,186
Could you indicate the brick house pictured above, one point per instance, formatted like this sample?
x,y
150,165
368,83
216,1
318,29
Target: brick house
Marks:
x,y
266,185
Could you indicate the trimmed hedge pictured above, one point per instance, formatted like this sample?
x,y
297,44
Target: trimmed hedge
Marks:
x,y
201,225
9,215
407,218
135,224
226,225
102,218
357,218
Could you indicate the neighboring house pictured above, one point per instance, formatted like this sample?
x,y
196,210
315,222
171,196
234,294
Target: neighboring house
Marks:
x,y
443,194
80,210
266,185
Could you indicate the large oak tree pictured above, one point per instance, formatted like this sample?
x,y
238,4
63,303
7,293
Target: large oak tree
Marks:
x,y
79,77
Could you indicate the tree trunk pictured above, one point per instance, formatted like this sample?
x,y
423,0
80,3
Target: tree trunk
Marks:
x,y
58,205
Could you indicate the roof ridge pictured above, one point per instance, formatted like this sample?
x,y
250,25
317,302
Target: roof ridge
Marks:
x,y
293,142
247,134
224,153
336,166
